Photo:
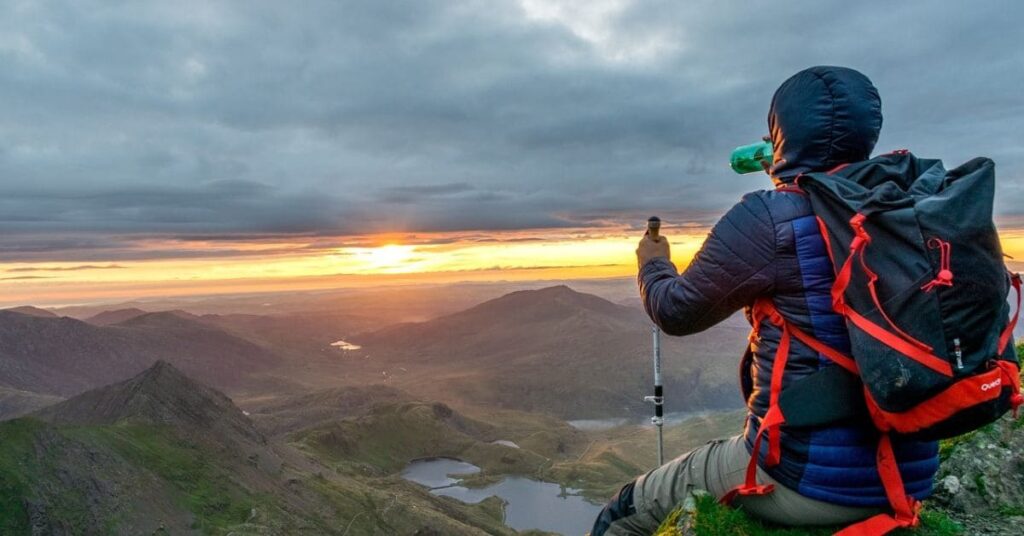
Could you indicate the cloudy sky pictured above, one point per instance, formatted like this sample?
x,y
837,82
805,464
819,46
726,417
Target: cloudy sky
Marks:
x,y
147,142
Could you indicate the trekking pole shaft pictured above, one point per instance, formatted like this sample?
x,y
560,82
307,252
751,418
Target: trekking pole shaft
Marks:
x,y
653,232
659,400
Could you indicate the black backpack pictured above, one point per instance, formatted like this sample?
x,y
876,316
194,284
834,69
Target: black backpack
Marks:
x,y
921,281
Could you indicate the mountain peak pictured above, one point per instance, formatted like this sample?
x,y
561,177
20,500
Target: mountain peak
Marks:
x,y
175,318
163,372
29,310
556,300
115,316
557,290
161,395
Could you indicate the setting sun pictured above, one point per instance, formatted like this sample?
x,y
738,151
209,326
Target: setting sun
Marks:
x,y
390,258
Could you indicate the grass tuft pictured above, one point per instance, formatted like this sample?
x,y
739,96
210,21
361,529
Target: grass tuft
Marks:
x,y
713,519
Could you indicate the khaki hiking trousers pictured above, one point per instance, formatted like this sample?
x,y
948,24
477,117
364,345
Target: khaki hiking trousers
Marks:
x,y
718,467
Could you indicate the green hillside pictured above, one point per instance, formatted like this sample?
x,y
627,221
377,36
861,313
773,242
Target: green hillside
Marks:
x,y
160,453
142,471
138,478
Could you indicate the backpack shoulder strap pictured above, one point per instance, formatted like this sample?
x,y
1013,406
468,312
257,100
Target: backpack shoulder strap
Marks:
x,y
1004,337
771,424
791,188
905,508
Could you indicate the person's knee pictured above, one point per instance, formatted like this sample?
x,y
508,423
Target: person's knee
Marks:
x,y
620,506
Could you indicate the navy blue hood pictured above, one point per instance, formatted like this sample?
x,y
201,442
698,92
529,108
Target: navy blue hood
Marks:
x,y
822,117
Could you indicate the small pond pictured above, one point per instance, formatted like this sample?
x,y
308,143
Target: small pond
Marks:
x,y
530,504
345,345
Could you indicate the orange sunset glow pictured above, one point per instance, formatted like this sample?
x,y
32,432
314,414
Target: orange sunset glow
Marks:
x,y
279,265
288,264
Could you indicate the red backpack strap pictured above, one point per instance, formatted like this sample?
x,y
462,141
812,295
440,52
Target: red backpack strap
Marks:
x,y
1004,338
837,169
1011,374
896,339
771,424
773,418
832,354
905,508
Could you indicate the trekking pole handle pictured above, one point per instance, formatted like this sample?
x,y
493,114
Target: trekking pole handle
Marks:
x,y
654,227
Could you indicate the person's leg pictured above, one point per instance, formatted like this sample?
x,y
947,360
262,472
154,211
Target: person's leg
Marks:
x,y
787,507
658,492
716,467
619,507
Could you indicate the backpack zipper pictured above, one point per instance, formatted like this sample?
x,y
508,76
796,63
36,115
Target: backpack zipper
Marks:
x,y
958,353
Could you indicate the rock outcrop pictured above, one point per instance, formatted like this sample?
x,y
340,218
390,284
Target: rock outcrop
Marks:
x,y
981,479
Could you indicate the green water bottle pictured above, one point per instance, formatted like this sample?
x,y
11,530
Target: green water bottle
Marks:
x,y
748,158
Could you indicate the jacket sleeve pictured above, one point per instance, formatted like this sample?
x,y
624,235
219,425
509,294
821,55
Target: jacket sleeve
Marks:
x,y
734,266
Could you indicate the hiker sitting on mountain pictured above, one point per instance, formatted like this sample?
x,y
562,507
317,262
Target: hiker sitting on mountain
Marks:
x,y
768,255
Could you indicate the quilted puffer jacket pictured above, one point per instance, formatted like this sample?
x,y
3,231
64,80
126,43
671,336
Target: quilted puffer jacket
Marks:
x,y
769,245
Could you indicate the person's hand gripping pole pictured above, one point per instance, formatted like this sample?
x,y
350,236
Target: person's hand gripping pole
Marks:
x,y
653,236
652,245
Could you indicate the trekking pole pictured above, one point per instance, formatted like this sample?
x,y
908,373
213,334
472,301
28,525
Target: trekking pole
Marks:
x,y
653,228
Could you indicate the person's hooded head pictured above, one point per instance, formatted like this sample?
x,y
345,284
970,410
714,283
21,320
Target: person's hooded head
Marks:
x,y
823,117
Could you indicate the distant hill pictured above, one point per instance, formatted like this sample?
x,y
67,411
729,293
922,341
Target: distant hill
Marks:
x,y
289,413
139,455
15,403
302,336
31,311
391,435
176,319
560,351
159,395
513,326
64,356
115,316
382,305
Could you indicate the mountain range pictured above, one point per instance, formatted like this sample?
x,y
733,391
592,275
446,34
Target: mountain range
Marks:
x,y
63,356
551,350
29,310
559,351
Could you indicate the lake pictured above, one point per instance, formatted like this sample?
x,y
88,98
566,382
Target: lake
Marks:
x,y
530,504
345,345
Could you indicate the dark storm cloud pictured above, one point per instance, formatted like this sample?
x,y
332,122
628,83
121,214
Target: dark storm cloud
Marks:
x,y
256,119
412,194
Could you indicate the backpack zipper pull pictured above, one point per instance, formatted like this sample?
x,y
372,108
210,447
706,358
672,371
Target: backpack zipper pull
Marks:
x,y
945,275
958,353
